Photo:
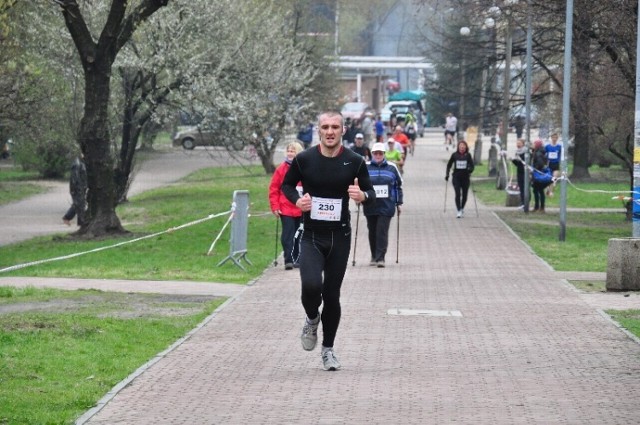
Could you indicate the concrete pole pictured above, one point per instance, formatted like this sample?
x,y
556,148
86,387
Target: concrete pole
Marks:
x,y
462,89
506,89
636,150
336,49
527,98
477,152
566,98
506,98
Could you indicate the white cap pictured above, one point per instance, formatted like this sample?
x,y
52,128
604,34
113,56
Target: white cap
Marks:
x,y
391,140
378,147
359,136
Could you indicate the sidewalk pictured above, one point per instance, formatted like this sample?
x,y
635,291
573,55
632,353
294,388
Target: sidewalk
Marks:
x,y
469,327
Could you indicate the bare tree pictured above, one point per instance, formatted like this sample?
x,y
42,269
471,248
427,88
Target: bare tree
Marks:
x,y
97,58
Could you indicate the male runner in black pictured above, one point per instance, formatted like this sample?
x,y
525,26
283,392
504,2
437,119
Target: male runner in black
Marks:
x,y
330,176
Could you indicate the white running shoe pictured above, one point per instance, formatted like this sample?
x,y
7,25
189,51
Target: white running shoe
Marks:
x,y
309,335
459,214
462,213
329,360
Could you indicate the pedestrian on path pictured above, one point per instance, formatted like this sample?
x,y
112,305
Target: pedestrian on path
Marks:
x,y
400,137
289,215
368,129
554,154
305,135
330,176
387,183
394,155
540,176
450,129
518,162
78,190
463,166
360,148
379,125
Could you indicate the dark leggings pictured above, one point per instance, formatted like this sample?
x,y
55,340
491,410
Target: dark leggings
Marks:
x,y
538,194
378,226
323,262
461,187
290,244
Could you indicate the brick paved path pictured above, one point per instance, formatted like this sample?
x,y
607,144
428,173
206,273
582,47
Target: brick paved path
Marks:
x,y
526,349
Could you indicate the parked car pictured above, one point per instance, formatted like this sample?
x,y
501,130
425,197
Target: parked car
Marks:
x,y
201,135
401,107
355,110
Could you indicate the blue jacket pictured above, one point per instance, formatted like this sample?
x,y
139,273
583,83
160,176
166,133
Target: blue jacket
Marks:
x,y
387,183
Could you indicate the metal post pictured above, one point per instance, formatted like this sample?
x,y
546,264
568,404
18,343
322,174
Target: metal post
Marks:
x,y
477,152
506,97
506,89
336,49
528,88
566,97
462,89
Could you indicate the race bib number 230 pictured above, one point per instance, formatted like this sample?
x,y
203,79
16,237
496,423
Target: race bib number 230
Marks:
x,y
326,209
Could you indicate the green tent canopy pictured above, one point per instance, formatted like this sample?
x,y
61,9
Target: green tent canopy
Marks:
x,y
416,95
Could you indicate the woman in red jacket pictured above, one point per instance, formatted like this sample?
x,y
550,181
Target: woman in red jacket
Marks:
x,y
290,215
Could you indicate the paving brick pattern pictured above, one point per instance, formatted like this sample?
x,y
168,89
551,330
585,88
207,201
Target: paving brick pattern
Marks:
x,y
527,349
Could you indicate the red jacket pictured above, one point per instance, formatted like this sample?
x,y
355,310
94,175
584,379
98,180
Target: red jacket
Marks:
x,y
277,200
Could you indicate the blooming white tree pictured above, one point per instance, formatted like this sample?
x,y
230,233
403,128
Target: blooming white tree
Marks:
x,y
263,82
233,63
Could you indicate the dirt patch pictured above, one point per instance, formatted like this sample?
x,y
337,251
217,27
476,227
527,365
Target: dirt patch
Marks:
x,y
114,304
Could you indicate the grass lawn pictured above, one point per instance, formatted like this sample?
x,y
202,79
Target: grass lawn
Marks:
x,y
16,184
587,232
61,351
174,255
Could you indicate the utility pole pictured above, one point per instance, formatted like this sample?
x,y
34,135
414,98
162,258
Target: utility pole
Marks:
x,y
506,98
636,142
528,105
336,48
566,98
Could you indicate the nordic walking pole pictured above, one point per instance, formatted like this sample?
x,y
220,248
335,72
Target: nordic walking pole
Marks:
x,y
446,186
355,243
398,238
275,255
474,198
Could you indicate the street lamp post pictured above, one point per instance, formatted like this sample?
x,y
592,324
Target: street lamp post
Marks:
x,y
464,31
489,23
336,48
636,144
506,90
528,88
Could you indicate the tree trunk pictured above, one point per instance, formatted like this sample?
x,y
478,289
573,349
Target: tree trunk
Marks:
x,y
130,135
95,142
93,134
267,162
581,53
